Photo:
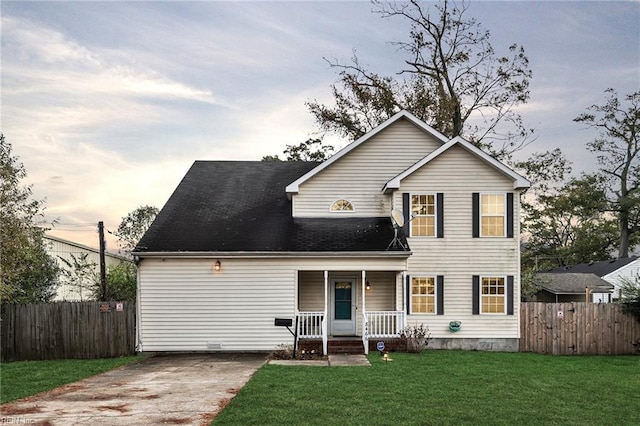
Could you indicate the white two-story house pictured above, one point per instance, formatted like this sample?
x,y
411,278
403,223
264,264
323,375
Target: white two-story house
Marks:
x,y
401,227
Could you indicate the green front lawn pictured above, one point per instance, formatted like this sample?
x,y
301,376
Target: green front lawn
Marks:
x,y
445,387
24,378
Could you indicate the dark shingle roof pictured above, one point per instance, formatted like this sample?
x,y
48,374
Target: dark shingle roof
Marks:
x,y
598,268
572,283
240,206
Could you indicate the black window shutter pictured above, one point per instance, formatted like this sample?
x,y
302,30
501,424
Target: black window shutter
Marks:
x,y
509,214
408,295
440,295
406,211
475,209
475,297
440,214
510,295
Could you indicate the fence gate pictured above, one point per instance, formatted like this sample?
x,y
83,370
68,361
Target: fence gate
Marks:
x,y
578,328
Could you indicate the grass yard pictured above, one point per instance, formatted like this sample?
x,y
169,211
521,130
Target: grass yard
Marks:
x,y
24,378
445,388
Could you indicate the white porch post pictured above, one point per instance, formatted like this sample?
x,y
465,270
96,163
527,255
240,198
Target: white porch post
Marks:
x,y
404,298
325,320
365,326
364,279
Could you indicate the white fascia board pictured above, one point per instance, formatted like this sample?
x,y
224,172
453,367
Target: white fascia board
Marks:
x,y
519,182
616,274
294,187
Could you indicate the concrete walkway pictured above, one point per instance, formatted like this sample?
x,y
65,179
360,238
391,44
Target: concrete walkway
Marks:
x,y
173,389
333,361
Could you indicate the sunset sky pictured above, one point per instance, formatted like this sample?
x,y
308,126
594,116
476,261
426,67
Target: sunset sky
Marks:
x,y
108,104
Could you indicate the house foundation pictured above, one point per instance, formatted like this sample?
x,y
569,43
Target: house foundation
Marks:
x,y
492,345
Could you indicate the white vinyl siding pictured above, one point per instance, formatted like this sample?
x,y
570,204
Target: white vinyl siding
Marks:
x,y
187,306
458,256
68,250
360,176
630,271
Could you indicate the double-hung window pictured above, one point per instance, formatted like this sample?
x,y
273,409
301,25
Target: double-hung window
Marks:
x,y
493,215
493,300
423,295
493,294
423,212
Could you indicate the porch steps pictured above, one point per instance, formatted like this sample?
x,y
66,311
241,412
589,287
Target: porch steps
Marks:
x,y
345,346
335,346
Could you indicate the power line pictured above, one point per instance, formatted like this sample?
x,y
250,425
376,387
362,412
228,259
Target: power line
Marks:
x,y
77,224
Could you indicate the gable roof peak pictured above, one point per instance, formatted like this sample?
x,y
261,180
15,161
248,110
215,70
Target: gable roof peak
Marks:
x,y
519,182
404,114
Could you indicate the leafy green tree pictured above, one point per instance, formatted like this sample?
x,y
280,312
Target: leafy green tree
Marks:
x,y
80,274
630,296
530,285
121,283
618,153
134,225
566,226
451,77
27,273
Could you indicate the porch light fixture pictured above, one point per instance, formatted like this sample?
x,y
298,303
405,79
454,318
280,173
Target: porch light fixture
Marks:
x,y
217,266
368,285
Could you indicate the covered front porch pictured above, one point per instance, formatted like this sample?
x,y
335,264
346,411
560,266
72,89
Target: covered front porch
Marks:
x,y
338,307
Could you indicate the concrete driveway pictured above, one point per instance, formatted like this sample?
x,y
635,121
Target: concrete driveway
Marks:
x,y
162,390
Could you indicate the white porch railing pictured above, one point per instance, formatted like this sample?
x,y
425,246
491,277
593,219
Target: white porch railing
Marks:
x,y
310,325
313,325
375,324
381,324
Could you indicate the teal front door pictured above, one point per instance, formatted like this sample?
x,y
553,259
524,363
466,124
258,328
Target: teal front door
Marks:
x,y
343,318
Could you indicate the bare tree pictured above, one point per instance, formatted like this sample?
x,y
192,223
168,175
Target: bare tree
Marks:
x,y
451,78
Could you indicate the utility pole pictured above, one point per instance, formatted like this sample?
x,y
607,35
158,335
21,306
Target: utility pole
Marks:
x,y
103,271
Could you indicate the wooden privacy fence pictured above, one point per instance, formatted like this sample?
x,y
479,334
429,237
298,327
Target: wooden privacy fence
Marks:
x,y
578,328
67,330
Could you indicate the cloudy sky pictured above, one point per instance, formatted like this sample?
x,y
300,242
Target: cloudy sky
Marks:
x,y
107,104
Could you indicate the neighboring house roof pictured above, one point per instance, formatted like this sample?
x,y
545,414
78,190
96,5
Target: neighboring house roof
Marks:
x,y
241,206
294,186
519,182
572,283
598,268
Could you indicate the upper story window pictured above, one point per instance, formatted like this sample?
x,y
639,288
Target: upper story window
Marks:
x,y
423,212
342,206
492,215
